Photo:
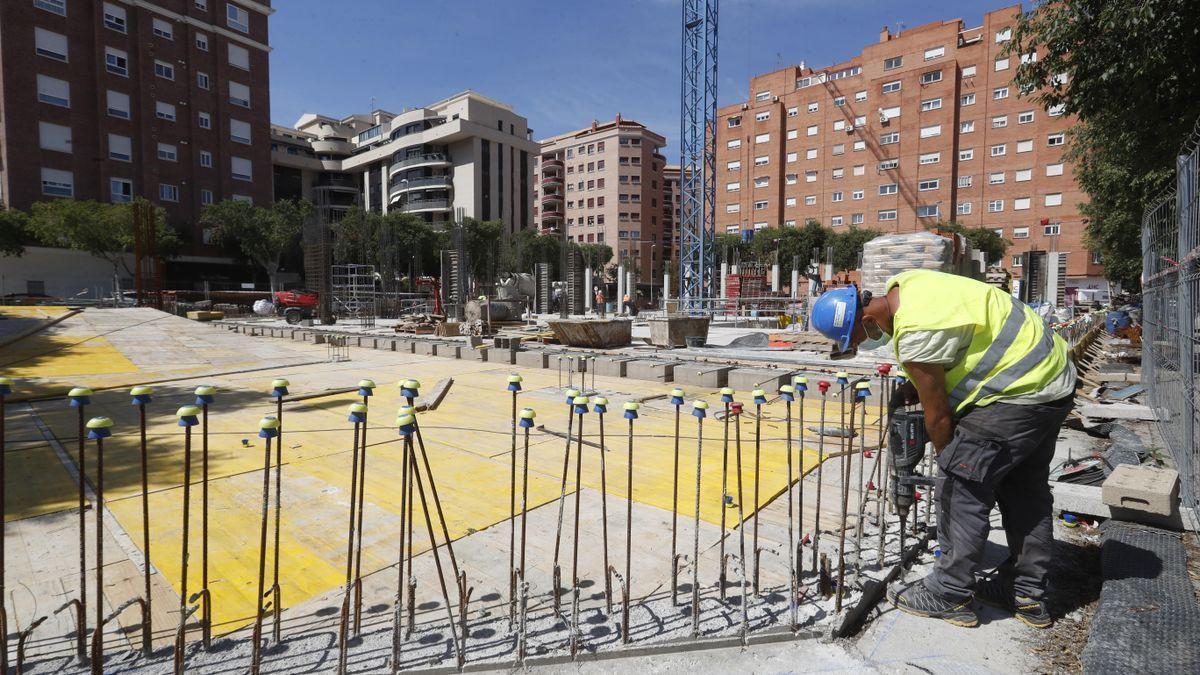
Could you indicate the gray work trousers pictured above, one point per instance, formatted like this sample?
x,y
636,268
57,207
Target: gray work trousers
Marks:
x,y
1000,454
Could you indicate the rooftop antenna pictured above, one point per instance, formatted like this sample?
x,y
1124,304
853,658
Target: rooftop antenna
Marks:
x,y
899,27
372,103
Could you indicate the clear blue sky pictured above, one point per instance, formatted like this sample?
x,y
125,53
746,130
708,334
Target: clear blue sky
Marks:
x,y
561,64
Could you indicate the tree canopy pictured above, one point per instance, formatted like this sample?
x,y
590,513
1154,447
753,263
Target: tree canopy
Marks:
x,y
981,238
99,229
259,234
1128,71
14,232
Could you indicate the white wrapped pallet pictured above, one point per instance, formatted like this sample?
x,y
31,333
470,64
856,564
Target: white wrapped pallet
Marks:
x,y
892,254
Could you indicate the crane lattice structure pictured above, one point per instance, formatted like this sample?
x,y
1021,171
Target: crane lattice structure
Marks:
x,y
698,153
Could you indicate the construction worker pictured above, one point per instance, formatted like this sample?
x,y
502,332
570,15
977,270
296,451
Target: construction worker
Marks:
x,y
995,385
599,302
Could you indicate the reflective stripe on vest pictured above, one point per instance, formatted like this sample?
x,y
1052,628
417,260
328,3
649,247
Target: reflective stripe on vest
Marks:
x,y
991,358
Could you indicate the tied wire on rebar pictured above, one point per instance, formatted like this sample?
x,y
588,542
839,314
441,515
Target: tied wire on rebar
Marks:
x,y
1170,295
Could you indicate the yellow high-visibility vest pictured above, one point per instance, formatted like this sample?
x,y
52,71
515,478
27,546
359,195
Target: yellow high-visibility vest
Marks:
x,y
1012,352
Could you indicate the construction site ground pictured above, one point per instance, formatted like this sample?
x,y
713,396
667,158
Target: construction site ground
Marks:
x,y
49,350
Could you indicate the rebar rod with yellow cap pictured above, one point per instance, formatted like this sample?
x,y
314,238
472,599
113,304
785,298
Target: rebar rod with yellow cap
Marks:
x,y
562,497
514,386
631,414
80,397
279,389
699,411
677,401
99,428
727,394
268,428
204,395
189,416
600,406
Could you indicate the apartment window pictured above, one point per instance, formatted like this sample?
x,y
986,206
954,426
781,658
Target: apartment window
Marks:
x,y
54,137
835,220
968,71
965,181
792,157
860,121
168,192
762,96
1051,230
928,185
1023,175
239,94
859,170
839,101
931,131
1000,121
1003,35
966,154
762,160
860,145
1097,258
999,150
120,190
893,63
888,164
241,168
731,144
57,183
931,77
50,44
963,208
856,219
202,80
202,42
239,57
237,18
164,70
1054,199
729,166
931,104
789,202
810,176
810,153
814,107
1021,204
929,158
1055,139
163,29
760,205
762,116
793,134
1054,169
759,225
996,178
762,138
1001,63
860,96
967,99
839,125
888,189
995,205
927,211
857,194
1056,110
1016,260
934,53
839,149
839,172
886,114
1025,117
204,120
116,62
836,196
733,187
810,200
791,179
120,148
812,130
735,121
164,111
54,91
999,93
733,208
887,214
167,152
1025,146
966,127
206,159
762,181
789,223
114,18
1020,233
889,138
793,111
58,7
889,87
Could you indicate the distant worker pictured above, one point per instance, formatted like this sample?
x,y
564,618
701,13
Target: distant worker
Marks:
x,y
995,385
599,302
628,305
556,299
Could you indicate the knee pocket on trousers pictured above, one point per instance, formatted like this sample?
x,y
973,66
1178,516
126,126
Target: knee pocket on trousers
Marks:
x,y
969,457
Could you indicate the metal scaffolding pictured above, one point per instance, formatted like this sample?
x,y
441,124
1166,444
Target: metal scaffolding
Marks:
x,y
698,156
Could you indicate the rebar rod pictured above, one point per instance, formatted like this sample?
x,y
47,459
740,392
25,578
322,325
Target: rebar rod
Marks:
x,y
145,512
276,626
512,517
737,444
604,516
206,616
757,471
98,645
562,497
187,522
256,646
437,559
628,538
675,515
358,535
791,522
847,447
344,624
816,548
696,531
724,496
575,536
81,634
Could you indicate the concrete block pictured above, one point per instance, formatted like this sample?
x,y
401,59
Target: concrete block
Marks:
x,y
610,366
702,375
654,371
748,379
1118,411
473,354
532,358
404,346
1142,488
447,350
425,348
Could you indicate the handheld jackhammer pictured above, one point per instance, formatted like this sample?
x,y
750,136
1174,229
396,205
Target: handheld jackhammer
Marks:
x,y
906,448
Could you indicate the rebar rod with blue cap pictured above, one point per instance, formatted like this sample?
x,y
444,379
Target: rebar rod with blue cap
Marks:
x,y
514,386
527,415
80,397
600,406
580,405
631,414
405,424
823,387
358,417
726,399
268,429
799,387
787,393
677,401
699,411
862,390
760,398
6,385
562,498
189,416
141,396
279,389
366,389
98,429
848,447
410,390
205,394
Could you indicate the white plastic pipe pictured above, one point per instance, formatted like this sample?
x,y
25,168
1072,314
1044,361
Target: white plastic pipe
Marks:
x,y
587,289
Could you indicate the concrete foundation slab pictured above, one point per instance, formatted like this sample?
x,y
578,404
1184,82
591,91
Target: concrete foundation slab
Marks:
x,y
747,379
532,358
446,350
425,348
702,375
654,371
473,354
610,366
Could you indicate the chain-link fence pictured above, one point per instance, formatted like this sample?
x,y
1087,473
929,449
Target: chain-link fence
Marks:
x,y
1170,293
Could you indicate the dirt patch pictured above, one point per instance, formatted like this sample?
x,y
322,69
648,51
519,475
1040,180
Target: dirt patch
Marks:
x,y
1075,589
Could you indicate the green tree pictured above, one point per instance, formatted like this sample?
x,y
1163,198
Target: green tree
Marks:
x,y
728,248
481,239
260,234
596,256
1127,70
981,239
101,230
848,246
14,232
356,237
791,243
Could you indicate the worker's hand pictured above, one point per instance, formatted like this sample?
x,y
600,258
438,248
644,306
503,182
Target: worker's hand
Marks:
x,y
906,394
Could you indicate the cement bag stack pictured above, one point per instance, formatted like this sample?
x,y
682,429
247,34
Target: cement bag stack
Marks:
x,y
892,254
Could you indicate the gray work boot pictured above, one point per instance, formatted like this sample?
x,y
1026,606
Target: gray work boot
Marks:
x,y
917,600
994,592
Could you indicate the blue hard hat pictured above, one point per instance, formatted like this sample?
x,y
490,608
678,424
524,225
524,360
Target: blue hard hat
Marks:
x,y
834,313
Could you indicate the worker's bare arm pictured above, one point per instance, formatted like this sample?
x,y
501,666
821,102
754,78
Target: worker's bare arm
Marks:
x,y
930,381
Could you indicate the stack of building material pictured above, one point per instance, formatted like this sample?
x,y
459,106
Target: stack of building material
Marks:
x,y
886,256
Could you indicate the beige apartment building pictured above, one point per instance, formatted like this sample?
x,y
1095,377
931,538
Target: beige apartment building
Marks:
x,y
924,126
605,184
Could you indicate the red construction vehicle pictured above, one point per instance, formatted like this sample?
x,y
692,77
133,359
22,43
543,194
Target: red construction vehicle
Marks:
x,y
296,305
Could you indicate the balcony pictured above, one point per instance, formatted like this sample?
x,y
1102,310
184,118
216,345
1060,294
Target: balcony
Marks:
x,y
337,184
552,213
425,205
552,166
426,183
427,159
552,198
552,181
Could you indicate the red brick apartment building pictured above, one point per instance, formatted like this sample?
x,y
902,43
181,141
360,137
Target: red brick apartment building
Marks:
x,y
925,125
112,99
